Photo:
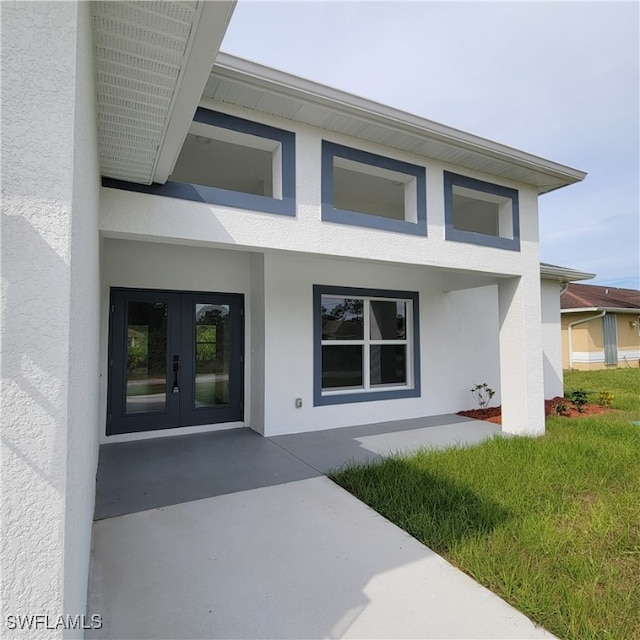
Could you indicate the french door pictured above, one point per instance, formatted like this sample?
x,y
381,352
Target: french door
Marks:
x,y
175,359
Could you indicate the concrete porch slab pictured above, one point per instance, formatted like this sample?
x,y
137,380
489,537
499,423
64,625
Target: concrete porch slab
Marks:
x,y
298,560
329,449
146,474
231,535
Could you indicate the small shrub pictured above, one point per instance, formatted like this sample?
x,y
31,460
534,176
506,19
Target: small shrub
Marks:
x,y
561,408
482,394
605,399
579,399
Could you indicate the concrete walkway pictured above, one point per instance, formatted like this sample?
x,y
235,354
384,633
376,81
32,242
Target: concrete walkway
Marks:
x,y
252,541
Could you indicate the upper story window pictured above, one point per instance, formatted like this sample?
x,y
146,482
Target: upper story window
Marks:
x,y
234,162
364,189
481,212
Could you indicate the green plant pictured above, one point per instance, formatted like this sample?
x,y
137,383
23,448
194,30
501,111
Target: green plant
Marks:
x,y
605,399
561,408
579,399
482,394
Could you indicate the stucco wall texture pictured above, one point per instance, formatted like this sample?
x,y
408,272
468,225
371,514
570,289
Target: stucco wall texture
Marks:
x,y
551,339
50,311
137,215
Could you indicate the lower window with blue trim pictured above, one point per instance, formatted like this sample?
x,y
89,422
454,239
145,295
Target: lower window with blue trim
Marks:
x,y
366,344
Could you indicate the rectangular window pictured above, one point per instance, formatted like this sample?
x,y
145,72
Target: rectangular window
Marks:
x,y
233,162
366,345
481,212
365,189
215,157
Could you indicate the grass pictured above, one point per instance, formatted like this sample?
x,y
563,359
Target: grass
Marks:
x,y
550,524
623,383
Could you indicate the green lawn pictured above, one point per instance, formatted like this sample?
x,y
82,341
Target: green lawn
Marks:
x,y
550,524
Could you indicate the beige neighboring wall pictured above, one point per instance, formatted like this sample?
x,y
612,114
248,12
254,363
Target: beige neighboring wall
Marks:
x,y
588,338
629,339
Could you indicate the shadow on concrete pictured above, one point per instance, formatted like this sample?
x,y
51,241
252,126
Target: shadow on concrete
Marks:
x,y
146,474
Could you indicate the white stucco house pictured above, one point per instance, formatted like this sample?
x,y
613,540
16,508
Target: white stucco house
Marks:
x,y
193,241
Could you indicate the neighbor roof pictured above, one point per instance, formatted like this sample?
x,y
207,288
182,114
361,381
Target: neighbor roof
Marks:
x,y
594,297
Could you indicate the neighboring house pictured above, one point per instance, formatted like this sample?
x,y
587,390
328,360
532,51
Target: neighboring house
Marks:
x,y
600,327
193,241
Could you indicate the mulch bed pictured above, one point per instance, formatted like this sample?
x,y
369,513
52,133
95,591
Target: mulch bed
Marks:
x,y
494,414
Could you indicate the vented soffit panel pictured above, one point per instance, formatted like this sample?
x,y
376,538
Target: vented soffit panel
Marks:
x,y
152,61
250,85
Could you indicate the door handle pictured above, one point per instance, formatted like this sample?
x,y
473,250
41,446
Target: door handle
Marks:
x,y
176,367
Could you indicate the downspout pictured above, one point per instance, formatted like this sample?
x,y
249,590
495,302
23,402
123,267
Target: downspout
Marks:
x,y
569,335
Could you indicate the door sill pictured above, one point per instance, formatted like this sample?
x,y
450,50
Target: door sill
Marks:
x,y
167,433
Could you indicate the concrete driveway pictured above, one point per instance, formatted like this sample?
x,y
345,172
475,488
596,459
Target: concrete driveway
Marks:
x,y
231,535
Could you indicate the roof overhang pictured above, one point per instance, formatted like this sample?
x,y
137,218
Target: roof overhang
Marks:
x,y
250,85
155,62
152,61
635,311
563,274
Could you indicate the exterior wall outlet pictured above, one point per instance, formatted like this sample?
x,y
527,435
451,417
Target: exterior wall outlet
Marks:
x,y
298,403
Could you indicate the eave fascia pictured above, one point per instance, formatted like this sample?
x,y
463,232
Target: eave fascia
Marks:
x,y
562,274
634,311
288,85
207,35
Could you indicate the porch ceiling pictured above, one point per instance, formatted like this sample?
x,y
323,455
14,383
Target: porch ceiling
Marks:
x,y
152,60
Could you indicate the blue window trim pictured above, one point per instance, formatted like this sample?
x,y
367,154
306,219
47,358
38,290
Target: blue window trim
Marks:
x,y
361,396
343,216
451,233
214,195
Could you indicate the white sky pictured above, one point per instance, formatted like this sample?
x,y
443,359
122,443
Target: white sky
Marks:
x,y
556,79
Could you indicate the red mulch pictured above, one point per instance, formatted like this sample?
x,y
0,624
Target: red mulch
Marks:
x,y
494,414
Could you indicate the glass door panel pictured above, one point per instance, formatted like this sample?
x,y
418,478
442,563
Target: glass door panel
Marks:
x,y
146,375
176,359
211,384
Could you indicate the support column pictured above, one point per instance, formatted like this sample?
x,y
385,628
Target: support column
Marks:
x,y
521,363
50,286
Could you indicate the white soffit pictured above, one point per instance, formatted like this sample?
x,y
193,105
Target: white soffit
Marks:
x,y
563,274
250,85
152,60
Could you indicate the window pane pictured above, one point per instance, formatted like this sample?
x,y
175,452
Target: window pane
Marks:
x,y
342,319
211,383
388,364
388,320
341,366
146,357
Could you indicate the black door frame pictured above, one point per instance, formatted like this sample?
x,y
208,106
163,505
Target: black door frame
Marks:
x,y
180,409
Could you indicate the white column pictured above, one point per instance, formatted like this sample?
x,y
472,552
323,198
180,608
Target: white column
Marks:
x,y
521,369
50,320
